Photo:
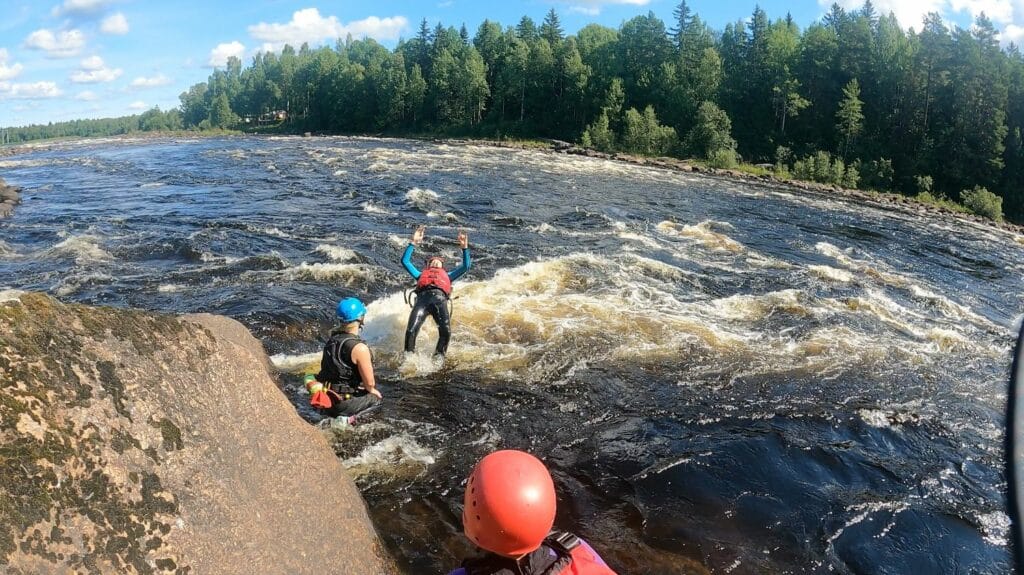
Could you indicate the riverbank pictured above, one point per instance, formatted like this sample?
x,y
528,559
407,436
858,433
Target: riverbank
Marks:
x,y
881,200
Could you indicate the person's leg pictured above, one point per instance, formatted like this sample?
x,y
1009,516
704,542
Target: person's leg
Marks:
x,y
439,311
359,405
412,329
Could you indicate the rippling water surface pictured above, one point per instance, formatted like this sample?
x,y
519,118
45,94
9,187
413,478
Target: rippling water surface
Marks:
x,y
723,378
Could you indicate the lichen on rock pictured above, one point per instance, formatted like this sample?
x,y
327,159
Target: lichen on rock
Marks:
x,y
133,442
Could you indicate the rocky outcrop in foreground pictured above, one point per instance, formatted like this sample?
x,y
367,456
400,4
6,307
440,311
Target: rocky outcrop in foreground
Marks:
x,y
9,197
133,442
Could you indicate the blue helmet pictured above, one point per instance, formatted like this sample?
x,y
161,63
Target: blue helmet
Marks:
x,y
351,309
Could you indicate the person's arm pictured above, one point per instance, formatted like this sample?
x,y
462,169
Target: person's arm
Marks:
x,y
466,262
364,363
407,262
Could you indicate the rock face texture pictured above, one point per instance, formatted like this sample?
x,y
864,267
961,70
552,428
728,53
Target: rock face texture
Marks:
x,y
133,442
9,197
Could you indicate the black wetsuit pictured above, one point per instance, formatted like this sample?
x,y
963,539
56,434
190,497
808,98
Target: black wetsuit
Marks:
x,y
434,302
338,370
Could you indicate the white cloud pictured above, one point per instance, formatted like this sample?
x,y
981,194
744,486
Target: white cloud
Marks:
x,y
593,7
64,44
115,24
911,13
8,72
94,70
137,105
1013,33
155,81
309,26
219,55
92,63
86,96
999,11
80,7
29,91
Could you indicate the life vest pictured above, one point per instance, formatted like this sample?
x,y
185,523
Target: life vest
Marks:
x,y
571,557
435,277
582,558
337,367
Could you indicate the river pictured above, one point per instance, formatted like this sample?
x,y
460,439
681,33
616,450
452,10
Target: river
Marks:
x,y
722,377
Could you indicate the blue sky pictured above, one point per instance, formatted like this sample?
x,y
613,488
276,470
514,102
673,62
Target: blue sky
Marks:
x,y
68,59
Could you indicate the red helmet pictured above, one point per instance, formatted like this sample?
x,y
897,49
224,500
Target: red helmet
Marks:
x,y
509,503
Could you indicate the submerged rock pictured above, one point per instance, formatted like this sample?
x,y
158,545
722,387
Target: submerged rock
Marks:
x,y
9,197
135,442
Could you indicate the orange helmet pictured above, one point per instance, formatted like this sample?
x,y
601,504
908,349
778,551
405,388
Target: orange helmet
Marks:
x,y
509,503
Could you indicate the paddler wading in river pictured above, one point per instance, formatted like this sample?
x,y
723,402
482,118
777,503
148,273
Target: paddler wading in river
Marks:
x,y
432,292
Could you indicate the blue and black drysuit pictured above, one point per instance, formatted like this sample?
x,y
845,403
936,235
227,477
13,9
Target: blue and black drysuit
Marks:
x,y
433,300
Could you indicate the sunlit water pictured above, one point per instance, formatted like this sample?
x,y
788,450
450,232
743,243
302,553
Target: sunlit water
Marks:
x,y
720,376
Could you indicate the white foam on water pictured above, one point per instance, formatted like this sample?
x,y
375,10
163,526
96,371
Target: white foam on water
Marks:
x,y
749,308
401,450
831,273
340,172
948,307
152,185
421,197
542,228
349,273
71,284
170,288
84,248
372,208
866,510
6,250
995,527
336,253
289,363
705,235
866,269
211,258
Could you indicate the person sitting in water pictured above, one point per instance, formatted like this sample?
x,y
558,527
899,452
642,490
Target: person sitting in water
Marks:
x,y
345,386
433,288
509,509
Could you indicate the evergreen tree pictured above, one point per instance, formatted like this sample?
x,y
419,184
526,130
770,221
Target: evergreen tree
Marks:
x,y
850,117
551,28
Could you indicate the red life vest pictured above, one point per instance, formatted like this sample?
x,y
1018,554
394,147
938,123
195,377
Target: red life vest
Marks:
x,y
435,277
584,561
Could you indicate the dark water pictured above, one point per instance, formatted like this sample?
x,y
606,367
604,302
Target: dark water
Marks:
x,y
721,377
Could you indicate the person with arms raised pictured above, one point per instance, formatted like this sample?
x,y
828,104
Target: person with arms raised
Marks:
x,y
433,292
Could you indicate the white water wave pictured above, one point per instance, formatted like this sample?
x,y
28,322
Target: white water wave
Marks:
x,y
336,253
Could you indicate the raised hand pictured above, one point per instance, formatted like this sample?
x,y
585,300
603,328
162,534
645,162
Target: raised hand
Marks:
x,y
417,236
463,239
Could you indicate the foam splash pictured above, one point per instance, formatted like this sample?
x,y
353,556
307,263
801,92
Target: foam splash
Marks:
x,y
372,208
347,273
336,253
866,269
832,274
291,363
421,197
397,455
84,249
705,235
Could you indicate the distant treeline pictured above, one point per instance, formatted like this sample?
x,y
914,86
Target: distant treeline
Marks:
x,y
854,99
151,120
